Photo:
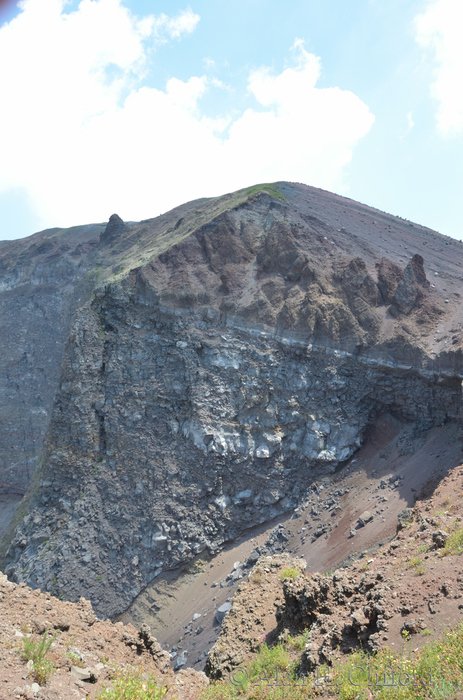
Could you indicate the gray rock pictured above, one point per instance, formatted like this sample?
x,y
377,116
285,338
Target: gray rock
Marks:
x,y
180,661
84,674
221,612
404,516
130,364
365,518
440,537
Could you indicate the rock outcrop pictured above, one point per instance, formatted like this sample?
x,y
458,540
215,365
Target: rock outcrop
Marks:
x,y
43,280
412,287
235,350
114,229
383,598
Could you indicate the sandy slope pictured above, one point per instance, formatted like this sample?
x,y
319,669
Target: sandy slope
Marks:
x,y
170,604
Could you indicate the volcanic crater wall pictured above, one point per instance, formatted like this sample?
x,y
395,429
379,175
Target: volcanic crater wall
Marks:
x,y
204,392
41,285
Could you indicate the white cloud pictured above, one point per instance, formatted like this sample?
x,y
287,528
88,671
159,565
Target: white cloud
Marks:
x,y
307,134
438,29
183,23
87,137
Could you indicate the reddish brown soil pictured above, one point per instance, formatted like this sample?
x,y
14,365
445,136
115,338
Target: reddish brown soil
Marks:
x,y
103,646
430,594
169,605
417,584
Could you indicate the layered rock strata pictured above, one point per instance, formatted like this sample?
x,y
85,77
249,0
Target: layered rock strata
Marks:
x,y
202,392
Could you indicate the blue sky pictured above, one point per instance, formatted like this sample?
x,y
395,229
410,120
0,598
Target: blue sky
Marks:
x,y
135,107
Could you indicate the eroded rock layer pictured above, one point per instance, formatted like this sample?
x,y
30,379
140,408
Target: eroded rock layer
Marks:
x,y
203,391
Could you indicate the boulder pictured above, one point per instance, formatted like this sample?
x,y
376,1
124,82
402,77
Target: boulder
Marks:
x,y
365,518
439,537
221,612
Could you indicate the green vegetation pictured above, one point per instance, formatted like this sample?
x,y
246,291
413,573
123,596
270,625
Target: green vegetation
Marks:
x,y
422,549
269,659
75,659
197,567
258,679
434,672
445,506
130,684
416,564
454,543
36,651
289,573
298,643
139,248
270,188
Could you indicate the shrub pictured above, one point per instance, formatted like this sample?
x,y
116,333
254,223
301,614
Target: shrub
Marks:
x,y
289,573
36,652
129,684
298,643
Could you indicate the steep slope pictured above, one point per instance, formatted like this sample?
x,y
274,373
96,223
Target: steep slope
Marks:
x,y
236,350
394,467
43,280
413,583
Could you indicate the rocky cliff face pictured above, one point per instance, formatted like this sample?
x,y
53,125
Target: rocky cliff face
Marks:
x,y
239,348
41,285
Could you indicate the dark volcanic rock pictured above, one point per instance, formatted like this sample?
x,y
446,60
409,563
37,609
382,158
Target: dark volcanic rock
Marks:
x,y
233,350
114,229
42,283
412,287
389,276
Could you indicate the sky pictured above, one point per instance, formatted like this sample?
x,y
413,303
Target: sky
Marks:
x,y
134,106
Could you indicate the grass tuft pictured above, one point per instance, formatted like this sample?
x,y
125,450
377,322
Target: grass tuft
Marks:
x,y
270,188
36,651
298,643
133,684
75,659
257,577
436,671
289,573
454,543
417,564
